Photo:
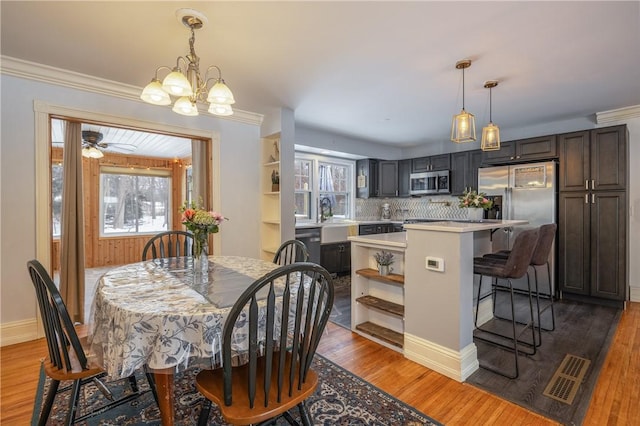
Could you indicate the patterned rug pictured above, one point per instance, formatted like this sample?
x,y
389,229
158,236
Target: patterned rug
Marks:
x,y
340,399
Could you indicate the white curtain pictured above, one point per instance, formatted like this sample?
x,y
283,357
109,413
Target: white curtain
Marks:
x,y
72,221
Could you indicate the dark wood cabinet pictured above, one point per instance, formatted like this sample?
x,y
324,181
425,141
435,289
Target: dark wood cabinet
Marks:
x,y
592,220
592,244
388,178
336,257
379,228
464,171
433,163
593,159
367,178
531,149
404,172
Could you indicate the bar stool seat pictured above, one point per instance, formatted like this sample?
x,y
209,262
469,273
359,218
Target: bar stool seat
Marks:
x,y
540,258
514,267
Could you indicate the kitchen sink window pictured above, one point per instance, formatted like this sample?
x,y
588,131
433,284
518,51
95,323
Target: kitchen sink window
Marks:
x,y
134,201
323,187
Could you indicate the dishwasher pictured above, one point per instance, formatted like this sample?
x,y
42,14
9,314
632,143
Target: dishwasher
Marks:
x,y
311,238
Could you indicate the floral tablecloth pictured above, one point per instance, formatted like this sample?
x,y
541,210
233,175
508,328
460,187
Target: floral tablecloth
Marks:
x,y
153,313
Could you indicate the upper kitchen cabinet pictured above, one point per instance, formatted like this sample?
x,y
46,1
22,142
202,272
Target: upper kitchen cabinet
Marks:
x,y
464,170
387,178
433,163
532,149
367,178
404,171
593,159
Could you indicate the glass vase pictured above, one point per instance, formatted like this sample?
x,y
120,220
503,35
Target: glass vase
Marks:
x,y
200,253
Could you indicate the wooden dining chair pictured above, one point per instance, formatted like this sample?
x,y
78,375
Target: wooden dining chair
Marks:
x,y
169,244
291,251
67,359
283,332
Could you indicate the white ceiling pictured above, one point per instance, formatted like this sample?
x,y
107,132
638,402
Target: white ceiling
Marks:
x,y
382,71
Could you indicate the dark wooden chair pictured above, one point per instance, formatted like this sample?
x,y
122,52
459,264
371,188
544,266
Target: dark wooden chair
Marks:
x,y
277,376
67,359
169,244
291,251
503,273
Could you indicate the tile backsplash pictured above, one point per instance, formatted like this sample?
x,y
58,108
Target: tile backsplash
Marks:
x,y
437,207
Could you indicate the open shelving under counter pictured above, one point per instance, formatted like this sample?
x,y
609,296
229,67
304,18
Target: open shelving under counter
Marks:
x,y
377,304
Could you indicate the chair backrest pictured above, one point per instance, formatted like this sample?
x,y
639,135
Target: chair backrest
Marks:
x,y
521,253
302,294
169,244
291,251
65,349
547,233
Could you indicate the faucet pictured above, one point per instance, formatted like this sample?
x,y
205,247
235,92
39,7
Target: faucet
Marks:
x,y
325,202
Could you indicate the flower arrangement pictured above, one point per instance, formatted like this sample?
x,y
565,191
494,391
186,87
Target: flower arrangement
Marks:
x,y
384,258
474,199
201,223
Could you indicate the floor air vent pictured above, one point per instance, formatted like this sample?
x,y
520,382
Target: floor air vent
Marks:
x,y
566,380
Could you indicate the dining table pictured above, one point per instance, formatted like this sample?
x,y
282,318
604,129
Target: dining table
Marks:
x,y
165,316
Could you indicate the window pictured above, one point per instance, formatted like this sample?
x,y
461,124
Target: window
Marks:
x,y
134,201
323,186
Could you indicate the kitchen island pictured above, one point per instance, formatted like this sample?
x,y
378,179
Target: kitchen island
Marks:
x,y
429,315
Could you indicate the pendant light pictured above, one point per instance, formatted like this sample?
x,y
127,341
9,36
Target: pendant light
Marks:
x,y
463,126
491,132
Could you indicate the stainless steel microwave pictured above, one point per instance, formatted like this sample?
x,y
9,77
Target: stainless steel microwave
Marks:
x,y
430,183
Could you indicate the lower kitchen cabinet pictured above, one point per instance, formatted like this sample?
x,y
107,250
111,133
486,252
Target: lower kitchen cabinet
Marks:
x,y
592,244
379,228
336,257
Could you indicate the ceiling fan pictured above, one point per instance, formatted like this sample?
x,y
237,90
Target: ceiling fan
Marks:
x,y
92,145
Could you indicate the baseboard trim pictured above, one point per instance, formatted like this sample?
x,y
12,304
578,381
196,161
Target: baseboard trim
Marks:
x,y
453,364
634,294
19,331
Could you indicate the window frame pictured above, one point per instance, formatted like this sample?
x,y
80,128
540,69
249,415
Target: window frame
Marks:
x,y
124,171
316,160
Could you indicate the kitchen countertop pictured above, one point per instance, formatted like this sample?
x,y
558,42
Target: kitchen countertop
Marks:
x,y
303,225
464,226
392,239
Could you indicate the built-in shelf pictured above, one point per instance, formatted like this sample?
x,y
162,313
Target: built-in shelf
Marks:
x,y
382,305
272,164
271,222
270,226
276,193
373,274
392,337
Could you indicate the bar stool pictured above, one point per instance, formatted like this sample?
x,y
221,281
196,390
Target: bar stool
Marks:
x,y
540,258
514,267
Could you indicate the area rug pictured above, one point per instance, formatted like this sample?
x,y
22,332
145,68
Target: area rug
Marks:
x,y
583,330
340,399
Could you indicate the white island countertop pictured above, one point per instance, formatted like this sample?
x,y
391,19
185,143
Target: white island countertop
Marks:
x,y
464,226
391,239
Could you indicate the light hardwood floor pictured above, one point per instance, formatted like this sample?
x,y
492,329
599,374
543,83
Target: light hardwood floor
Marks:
x,y
616,400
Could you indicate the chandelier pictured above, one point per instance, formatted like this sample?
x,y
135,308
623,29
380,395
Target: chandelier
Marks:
x,y
185,81
463,125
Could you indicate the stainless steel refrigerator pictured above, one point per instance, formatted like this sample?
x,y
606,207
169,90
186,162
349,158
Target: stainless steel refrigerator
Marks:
x,y
522,191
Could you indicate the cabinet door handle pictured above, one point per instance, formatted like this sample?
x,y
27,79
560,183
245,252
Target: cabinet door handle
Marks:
x,y
586,185
593,198
593,184
586,198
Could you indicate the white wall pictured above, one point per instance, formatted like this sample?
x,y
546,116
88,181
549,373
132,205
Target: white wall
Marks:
x,y
239,178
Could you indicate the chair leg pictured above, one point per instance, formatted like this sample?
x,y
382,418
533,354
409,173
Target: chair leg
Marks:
x,y
133,383
152,383
204,413
73,402
304,414
48,404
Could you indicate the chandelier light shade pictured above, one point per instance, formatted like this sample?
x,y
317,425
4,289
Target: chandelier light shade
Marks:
x,y
491,132
185,81
463,125
92,152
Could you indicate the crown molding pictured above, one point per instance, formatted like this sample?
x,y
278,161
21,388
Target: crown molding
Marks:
x,y
616,115
66,78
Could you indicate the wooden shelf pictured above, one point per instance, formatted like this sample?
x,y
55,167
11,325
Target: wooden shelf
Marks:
x,y
392,337
382,305
374,275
